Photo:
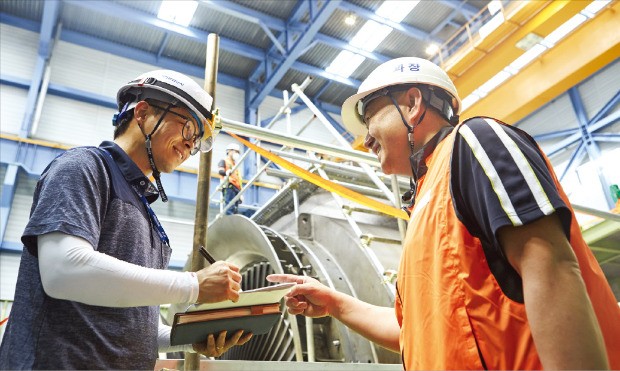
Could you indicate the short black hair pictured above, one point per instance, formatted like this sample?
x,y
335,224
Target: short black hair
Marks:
x,y
121,128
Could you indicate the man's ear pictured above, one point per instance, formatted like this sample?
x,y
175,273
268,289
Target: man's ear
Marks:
x,y
140,111
414,98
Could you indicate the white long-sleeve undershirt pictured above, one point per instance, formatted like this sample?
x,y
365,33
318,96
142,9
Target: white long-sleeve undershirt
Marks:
x,y
71,269
163,341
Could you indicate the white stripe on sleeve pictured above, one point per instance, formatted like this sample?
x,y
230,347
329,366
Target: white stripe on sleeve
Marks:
x,y
491,172
524,166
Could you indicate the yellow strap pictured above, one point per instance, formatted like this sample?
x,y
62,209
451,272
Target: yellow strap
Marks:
x,y
324,183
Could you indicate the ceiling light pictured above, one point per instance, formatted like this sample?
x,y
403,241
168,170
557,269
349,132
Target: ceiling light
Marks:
x,y
432,49
396,10
345,63
180,12
350,19
370,35
529,41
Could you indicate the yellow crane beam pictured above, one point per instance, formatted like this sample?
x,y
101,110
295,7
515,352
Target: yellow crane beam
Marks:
x,y
500,49
477,47
589,48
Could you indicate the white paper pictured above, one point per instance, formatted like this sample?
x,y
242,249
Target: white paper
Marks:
x,y
263,295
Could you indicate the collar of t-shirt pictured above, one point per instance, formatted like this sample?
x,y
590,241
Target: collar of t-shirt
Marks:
x,y
418,159
132,173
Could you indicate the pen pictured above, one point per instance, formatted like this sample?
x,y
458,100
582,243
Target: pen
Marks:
x,y
209,258
206,255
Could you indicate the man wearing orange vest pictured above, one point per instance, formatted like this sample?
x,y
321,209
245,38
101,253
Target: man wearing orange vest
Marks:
x,y
494,272
230,190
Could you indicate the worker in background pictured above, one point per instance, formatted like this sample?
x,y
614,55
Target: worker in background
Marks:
x,y
230,189
93,268
494,271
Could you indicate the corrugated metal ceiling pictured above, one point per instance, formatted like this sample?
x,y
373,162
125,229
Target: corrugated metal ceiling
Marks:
x,y
110,28
321,55
427,15
133,24
210,20
276,8
335,26
31,10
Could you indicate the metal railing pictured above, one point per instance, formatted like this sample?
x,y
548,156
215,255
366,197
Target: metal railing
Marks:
x,y
367,163
467,37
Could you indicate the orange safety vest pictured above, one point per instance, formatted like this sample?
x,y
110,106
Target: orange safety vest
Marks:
x,y
235,176
449,306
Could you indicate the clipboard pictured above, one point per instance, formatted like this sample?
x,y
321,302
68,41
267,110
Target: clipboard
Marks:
x,y
256,311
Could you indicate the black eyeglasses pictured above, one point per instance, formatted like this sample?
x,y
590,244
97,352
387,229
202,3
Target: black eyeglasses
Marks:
x,y
189,127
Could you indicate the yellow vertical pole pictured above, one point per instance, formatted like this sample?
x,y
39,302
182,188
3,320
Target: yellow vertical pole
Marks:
x,y
192,360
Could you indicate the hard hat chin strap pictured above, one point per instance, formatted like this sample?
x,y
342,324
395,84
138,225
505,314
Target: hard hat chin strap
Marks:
x,y
156,172
409,196
409,128
149,152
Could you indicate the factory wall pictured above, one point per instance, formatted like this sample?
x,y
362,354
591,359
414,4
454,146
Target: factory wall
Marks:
x,y
582,182
73,122
76,123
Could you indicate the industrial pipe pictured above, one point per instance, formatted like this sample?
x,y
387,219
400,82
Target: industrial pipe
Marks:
x,y
192,361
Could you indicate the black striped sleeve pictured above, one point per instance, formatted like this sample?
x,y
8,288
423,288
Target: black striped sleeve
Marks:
x,y
500,178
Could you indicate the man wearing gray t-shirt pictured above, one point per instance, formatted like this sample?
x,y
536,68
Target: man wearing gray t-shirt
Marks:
x,y
93,269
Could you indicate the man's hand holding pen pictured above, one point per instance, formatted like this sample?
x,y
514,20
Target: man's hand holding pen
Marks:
x,y
218,282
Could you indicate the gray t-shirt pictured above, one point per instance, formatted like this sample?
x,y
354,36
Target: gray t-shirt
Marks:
x,y
93,194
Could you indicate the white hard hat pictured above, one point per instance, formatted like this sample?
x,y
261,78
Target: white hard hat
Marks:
x,y
233,147
174,88
399,71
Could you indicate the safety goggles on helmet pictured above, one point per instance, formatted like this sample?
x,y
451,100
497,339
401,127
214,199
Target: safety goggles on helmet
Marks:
x,y
210,131
212,127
